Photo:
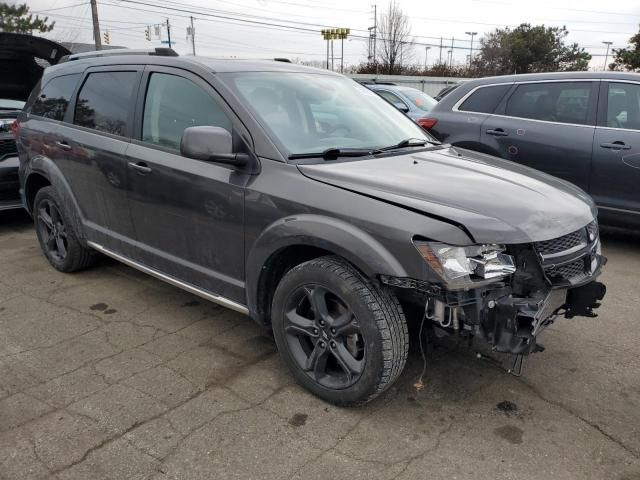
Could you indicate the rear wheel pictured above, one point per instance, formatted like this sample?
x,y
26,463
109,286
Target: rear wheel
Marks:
x,y
344,338
56,235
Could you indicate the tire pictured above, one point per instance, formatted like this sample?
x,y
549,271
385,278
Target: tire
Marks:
x,y
355,347
59,244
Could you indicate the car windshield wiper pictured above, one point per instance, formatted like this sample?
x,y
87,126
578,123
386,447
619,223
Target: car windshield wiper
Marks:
x,y
333,153
408,142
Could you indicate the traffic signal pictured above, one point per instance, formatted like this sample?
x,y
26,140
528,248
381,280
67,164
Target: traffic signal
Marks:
x,y
147,34
107,38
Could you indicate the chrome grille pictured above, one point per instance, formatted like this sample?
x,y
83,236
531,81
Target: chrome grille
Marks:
x,y
569,271
8,148
553,251
561,244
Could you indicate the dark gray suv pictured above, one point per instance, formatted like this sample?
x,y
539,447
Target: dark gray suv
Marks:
x,y
304,200
583,127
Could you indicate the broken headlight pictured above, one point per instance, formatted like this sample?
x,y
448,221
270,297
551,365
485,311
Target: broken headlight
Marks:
x,y
461,266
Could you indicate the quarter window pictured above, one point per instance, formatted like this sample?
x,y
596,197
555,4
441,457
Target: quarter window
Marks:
x,y
623,106
174,103
104,102
55,96
485,99
389,97
564,102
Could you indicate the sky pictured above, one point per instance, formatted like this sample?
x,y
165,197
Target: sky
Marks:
x,y
291,28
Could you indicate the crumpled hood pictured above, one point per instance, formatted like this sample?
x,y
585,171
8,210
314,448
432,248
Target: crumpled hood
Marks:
x,y
495,200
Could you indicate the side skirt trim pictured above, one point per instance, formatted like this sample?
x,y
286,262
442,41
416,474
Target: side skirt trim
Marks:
x,y
225,302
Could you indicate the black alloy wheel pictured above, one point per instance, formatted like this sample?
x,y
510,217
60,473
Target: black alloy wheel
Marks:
x,y
52,230
57,234
324,337
343,336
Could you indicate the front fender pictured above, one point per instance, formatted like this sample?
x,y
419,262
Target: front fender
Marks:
x,y
331,234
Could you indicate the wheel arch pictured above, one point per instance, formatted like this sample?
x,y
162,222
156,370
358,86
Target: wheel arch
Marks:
x,y
44,172
294,240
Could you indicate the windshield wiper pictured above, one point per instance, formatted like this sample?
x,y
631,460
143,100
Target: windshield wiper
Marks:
x,y
333,153
408,142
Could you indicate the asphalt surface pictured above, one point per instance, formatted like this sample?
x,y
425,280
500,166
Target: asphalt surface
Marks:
x,y
110,374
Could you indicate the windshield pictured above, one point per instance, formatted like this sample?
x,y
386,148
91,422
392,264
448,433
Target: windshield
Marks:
x,y
419,99
6,104
308,112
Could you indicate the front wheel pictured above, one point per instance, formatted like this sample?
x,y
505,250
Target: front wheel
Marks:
x,y
343,338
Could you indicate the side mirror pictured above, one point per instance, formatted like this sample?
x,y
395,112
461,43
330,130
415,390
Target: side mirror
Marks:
x,y
211,144
401,106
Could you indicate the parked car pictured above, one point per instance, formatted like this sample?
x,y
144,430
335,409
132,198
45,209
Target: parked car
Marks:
x,y
583,127
218,176
20,73
446,91
415,103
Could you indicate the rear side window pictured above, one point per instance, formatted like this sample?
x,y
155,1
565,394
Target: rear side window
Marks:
x,y
174,103
104,102
389,97
55,96
564,102
485,99
623,106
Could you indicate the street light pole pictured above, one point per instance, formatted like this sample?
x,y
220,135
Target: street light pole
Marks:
x,y
606,55
426,56
473,34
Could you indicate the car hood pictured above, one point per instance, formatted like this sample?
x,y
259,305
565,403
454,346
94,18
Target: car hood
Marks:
x,y
494,200
20,69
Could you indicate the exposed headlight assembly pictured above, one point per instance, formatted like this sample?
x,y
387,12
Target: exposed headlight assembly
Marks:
x,y
462,266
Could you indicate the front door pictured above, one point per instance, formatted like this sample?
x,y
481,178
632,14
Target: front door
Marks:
x,y
188,214
548,126
616,150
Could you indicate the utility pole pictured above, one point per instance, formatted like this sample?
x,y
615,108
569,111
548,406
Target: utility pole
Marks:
x,y
606,55
193,38
451,58
440,60
169,33
375,35
426,56
473,34
96,25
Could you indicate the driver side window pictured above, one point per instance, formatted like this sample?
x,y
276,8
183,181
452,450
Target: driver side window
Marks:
x,y
175,103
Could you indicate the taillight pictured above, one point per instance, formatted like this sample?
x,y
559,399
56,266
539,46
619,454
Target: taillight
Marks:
x,y
427,123
15,128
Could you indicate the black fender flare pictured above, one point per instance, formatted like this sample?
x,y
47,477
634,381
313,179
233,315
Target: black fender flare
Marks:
x,y
47,168
334,235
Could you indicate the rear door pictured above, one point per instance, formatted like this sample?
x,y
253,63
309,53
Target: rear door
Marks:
x,y
615,182
460,124
95,139
548,126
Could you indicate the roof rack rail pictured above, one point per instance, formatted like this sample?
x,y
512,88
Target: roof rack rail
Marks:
x,y
160,52
282,59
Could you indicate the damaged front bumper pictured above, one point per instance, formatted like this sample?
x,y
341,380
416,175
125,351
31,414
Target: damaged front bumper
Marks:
x,y
552,279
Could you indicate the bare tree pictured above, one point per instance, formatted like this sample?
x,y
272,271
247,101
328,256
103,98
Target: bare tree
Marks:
x,y
394,35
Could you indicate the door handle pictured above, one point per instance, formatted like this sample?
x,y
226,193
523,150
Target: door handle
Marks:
x,y
63,146
497,132
616,146
140,167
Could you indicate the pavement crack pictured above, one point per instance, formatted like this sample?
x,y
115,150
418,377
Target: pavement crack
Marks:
x,y
630,450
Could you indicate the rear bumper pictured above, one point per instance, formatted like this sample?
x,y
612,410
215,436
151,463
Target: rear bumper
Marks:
x,y
9,184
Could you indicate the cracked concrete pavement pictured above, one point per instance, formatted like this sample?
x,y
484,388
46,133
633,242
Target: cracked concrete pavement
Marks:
x,y
110,374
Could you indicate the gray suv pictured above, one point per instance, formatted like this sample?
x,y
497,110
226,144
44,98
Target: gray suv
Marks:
x,y
583,127
304,200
